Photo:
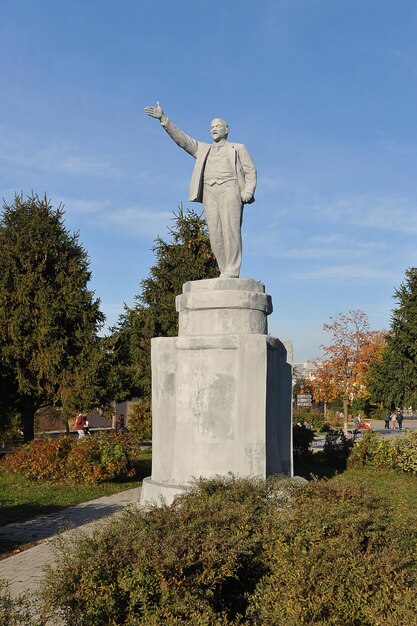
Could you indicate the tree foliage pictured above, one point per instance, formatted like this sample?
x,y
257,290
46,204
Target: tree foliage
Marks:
x,y
342,373
393,379
186,256
49,350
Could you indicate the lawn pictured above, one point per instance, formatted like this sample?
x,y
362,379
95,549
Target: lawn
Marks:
x,y
399,489
22,499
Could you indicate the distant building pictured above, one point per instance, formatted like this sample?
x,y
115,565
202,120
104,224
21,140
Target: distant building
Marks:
x,y
123,408
306,370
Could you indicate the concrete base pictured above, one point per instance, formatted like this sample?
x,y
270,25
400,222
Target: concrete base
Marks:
x,y
221,390
160,493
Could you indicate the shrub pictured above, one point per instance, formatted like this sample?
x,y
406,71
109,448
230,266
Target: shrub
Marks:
x,y
332,563
334,419
235,551
66,460
313,417
191,563
302,440
374,451
13,611
336,447
140,420
405,452
42,459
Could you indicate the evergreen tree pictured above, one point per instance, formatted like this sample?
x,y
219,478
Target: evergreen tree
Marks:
x,y
187,256
49,350
8,394
393,380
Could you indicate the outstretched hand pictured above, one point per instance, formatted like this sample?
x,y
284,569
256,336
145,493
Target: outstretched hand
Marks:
x,y
155,112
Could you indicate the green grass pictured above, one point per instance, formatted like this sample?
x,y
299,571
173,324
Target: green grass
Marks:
x,y
398,488
22,499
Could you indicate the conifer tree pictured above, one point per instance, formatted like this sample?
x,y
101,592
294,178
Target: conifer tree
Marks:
x,y
49,320
393,380
186,256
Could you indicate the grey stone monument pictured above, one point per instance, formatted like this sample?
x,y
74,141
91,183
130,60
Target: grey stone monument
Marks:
x,y
223,179
221,390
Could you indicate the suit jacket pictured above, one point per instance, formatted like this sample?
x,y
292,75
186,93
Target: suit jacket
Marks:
x,y
239,156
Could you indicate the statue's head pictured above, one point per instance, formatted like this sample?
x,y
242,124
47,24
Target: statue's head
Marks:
x,y
219,129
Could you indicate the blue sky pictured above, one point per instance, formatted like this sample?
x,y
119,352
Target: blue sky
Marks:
x,y
322,92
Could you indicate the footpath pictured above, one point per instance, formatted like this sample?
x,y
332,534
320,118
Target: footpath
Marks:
x,y
377,427
24,571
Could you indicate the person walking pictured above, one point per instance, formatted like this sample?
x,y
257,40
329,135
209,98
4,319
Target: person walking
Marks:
x,y
399,419
80,424
386,420
393,420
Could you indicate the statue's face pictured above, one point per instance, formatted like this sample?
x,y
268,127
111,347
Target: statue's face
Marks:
x,y
219,129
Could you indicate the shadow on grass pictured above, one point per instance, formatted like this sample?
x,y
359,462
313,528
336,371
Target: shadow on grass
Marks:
x,y
143,468
318,465
10,548
23,512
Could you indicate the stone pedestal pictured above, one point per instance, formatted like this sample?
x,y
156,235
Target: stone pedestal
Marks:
x,y
221,390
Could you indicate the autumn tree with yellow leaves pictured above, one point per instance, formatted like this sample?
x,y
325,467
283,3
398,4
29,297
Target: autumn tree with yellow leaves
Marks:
x,y
342,372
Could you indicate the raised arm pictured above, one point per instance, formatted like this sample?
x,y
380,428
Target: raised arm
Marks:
x,y
188,144
155,112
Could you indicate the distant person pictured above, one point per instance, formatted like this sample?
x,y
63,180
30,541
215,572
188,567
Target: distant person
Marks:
x,y
393,420
80,424
386,420
120,423
399,419
87,430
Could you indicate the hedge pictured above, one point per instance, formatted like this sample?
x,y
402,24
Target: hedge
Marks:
x,y
242,552
73,461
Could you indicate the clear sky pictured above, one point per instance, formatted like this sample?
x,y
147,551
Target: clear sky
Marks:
x,y
322,92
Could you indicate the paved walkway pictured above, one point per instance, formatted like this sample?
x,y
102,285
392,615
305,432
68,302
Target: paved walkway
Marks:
x,y
24,571
378,427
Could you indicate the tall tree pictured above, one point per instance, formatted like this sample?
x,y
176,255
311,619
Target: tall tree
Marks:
x,y
393,379
341,374
48,317
186,256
